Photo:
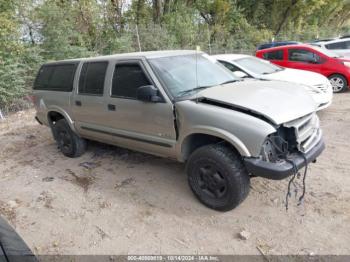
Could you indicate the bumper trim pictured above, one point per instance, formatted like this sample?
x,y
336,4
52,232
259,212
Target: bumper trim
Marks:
x,y
282,169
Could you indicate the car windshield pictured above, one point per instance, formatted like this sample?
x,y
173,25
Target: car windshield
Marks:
x,y
187,74
257,66
325,51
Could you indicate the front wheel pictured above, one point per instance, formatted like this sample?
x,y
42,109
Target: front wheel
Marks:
x,y
217,177
338,82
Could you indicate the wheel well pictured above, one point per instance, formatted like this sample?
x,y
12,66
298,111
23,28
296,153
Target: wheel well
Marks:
x,y
195,141
339,75
54,116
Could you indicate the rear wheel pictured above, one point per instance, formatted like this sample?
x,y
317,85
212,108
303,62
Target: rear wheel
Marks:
x,y
68,142
218,177
339,83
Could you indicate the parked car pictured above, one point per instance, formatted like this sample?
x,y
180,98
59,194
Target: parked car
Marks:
x,y
340,46
181,105
312,58
274,44
246,66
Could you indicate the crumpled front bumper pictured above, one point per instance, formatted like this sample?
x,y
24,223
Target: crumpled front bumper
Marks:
x,y
282,169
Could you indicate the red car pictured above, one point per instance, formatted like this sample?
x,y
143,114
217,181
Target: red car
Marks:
x,y
307,57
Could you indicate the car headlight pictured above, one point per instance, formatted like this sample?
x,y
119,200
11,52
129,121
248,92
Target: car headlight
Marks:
x,y
347,64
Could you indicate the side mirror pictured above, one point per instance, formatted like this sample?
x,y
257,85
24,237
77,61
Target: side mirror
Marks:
x,y
148,94
240,74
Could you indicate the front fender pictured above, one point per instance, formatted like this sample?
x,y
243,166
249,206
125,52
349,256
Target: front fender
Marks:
x,y
215,132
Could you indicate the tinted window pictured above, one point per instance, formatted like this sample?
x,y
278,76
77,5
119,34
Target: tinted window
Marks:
x,y
56,77
339,45
62,77
230,66
127,78
92,78
301,55
43,77
274,55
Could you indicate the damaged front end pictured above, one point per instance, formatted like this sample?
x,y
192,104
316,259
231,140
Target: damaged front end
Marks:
x,y
292,146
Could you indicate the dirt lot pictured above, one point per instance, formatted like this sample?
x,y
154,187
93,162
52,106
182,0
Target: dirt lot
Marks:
x,y
114,201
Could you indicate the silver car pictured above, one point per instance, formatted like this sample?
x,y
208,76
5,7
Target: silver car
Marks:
x,y
182,105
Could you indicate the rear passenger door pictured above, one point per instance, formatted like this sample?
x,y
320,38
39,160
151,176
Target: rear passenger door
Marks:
x,y
88,101
145,126
276,57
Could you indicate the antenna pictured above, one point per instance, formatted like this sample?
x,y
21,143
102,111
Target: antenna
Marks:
x,y
138,37
198,48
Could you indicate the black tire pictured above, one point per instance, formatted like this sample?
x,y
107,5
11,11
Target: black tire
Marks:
x,y
68,142
12,246
339,83
217,177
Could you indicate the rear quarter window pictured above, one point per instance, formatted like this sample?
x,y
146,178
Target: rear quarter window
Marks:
x,y
57,77
273,55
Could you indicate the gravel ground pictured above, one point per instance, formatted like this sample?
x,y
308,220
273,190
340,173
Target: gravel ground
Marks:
x,y
115,201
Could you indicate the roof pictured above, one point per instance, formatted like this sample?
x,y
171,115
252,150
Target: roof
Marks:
x,y
284,46
230,56
148,54
338,40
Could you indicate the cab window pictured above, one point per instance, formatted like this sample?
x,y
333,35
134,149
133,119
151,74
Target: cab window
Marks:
x,y
127,78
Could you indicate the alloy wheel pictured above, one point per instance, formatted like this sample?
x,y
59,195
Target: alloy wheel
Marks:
x,y
337,84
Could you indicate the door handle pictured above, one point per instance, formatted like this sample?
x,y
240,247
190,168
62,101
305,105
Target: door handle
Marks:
x,y
78,103
111,107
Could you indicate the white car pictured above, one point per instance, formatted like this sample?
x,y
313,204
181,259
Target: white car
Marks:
x,y
340,46
246,66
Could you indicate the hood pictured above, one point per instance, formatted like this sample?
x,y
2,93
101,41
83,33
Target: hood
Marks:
x,y
268,99
297,76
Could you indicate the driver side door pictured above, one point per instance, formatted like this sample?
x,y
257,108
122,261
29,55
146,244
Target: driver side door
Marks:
x,y
304,59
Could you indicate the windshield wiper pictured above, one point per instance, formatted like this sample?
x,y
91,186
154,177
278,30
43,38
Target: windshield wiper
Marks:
x,y
229,81
182,93
275,71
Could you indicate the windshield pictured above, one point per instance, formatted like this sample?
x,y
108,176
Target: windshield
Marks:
x,y
325,51
257,66
187,74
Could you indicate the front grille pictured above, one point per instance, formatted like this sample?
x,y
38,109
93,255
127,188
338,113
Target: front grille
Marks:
x,y
307,131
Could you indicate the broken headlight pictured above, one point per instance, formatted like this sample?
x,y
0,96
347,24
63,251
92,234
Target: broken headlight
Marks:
x,y
278,145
